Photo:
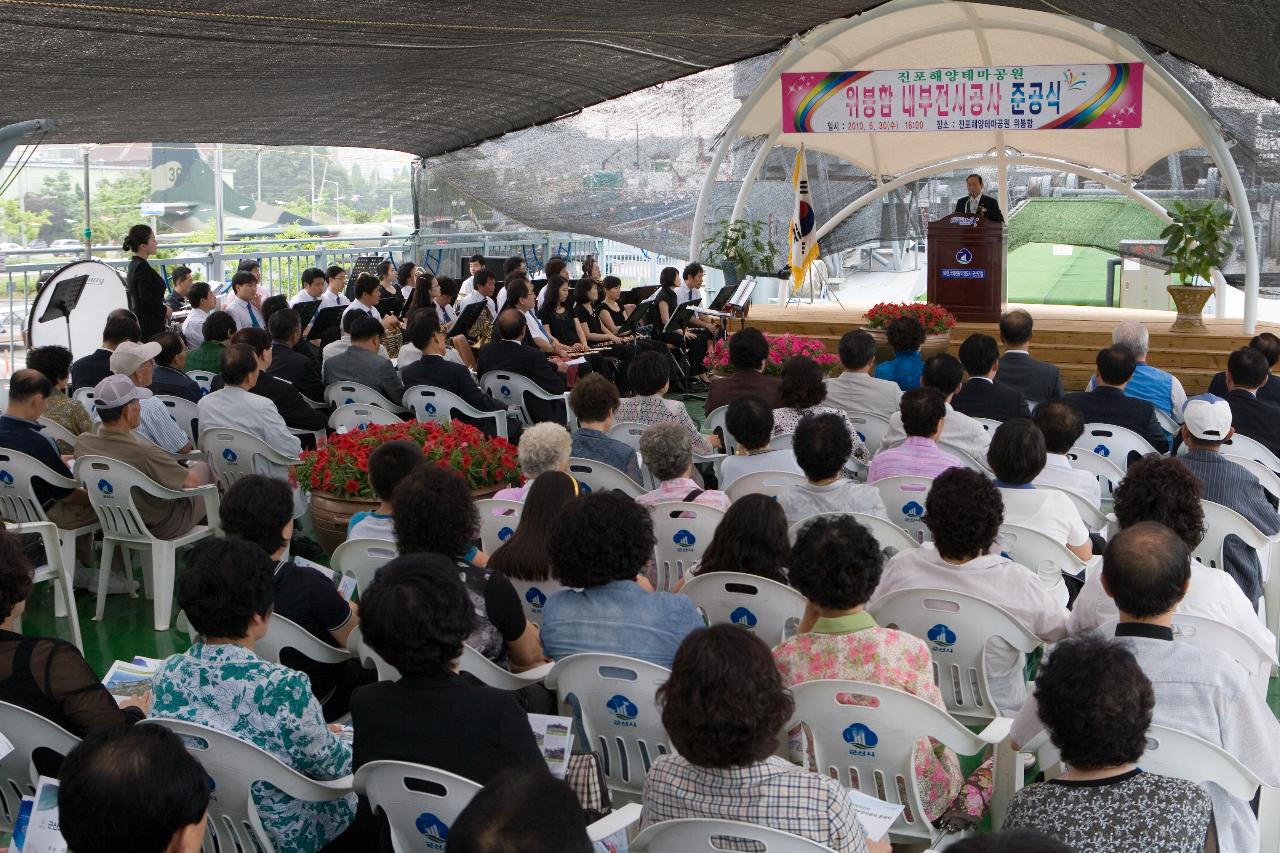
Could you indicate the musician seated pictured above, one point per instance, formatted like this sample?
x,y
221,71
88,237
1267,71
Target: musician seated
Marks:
x,y
368,293
362,362
521,297
510,354
693,341
691,291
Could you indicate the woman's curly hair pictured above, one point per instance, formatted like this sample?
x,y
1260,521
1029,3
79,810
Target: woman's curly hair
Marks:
x,y
1163,489
964,511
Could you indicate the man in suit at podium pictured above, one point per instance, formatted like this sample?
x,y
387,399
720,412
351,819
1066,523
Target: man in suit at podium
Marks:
x,y
977,204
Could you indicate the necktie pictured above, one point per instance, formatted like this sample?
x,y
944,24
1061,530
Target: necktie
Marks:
x,y
253,316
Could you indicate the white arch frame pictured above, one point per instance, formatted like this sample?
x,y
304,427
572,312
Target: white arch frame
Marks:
x,y
820,39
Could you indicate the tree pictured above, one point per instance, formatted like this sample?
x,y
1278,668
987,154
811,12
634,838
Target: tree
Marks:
x,y
114,206
64,202
19,225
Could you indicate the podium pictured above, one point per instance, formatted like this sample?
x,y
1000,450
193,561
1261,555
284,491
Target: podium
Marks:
x,y
966,267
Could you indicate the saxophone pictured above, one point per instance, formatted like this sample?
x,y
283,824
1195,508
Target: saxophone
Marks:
x,y
482,330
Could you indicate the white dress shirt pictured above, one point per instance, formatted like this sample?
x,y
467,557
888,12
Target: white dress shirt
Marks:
x,y
476,296
193,327
537,330
466,288
246,316
329,299
371,310
855,391
1059,474
232,407
740,465
302,296
958,430
446,314
1048,511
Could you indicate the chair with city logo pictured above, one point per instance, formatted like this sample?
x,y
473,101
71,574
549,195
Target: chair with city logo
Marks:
x,y
890,537
436,404
515,390
341,393
27,732
770,483
871,428
904,501
534,595
498,520
595,476
683,531
1116,443
686,835
353,416
770,610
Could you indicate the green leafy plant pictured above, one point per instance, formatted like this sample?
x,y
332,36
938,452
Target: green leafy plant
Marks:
x,y
743,243
1194,241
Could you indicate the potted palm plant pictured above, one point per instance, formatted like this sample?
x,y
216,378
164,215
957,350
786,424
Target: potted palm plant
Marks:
x,y
740,248
1194,245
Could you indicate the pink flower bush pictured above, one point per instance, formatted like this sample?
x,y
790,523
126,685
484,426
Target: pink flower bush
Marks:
x,y
781,348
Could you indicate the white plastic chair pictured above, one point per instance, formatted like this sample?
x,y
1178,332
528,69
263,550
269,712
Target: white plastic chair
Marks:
x,y
957,628
183,412
534,595
27,731
1167,423
54,569
203,378
988,424
683,530
1108,473
613,699
110,485
58,432
969,461
351,416
437,404
369,658
498,520
694,835
1046,557
871,428
716,421
234,454
1268,479
284,634
1092,517
770,483
904,502
867,742
340,393
766,608
782,442
85,397
1242,445
361,559
593,476
514,390
1114,443
1221,522
628,433
887,534
493,675
233,766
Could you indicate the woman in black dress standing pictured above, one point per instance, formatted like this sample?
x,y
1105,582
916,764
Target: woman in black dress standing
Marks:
x,y
145,286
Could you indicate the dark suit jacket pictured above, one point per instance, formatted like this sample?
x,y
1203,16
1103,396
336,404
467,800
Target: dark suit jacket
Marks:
x,y
1106,405
980,398
289,403
1255,418
146,296
1268,393
992,206
90,370
174,383
367,368
437,372
296,368
743,383
532,364
1037,380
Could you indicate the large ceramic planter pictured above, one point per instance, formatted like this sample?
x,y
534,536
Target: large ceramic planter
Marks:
x,y
330,515
1190,301
933,345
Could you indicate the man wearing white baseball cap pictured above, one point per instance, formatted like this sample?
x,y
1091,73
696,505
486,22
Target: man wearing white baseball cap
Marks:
x,y
118,403
137,362
1206,424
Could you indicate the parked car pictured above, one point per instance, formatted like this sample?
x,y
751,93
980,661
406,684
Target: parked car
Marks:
x,y
10,247
37,244
66,244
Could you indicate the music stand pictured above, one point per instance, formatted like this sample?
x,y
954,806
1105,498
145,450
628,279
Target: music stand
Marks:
x,y
636,319
66,295
307,311
740,302
325,319
390,305
722,297
362,264
680,320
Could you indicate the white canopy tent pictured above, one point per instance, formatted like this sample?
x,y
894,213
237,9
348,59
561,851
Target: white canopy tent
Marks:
x,y
940,33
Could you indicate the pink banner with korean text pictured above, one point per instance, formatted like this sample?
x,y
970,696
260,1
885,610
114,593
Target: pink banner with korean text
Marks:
x,y
1016,97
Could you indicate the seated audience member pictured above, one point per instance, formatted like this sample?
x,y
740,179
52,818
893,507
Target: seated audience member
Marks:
x,y
801,394
1265,343
594,401
822,446
529,810
1109,403
1162,489
748,351
364,364
217,330
313,283
1251,415
857,390
388,464
1009,841
982,396
1037,380
525,556
1156,386
287,363
117,406
432,368
1206,424
138,783
750,423
543,447
88,371
836,564
234,406
751,539
1096,703
169,378
1198,689
244,306
608,607
650,378
55,363
203,303
226,590
944,373
905,336
501,633
923,419
20,431
289,403
963,513
137,362
509,354
724,708
669,457
259,509
416,615
1017,456
1061,425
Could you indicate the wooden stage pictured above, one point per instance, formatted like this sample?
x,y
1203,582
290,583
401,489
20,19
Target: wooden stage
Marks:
x,y
1069,336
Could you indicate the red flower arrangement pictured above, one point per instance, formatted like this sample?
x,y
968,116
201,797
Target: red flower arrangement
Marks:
x,y
781,348
934,318
342,467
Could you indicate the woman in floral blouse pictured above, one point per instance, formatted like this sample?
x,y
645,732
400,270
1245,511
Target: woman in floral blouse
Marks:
x,y
801,393
226,590
836,565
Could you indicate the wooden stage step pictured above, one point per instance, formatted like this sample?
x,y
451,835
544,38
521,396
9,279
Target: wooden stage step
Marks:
x,y
1068,336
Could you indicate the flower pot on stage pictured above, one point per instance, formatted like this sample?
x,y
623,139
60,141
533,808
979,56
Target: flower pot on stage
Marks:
x,y
1190,301
933,345
330,514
